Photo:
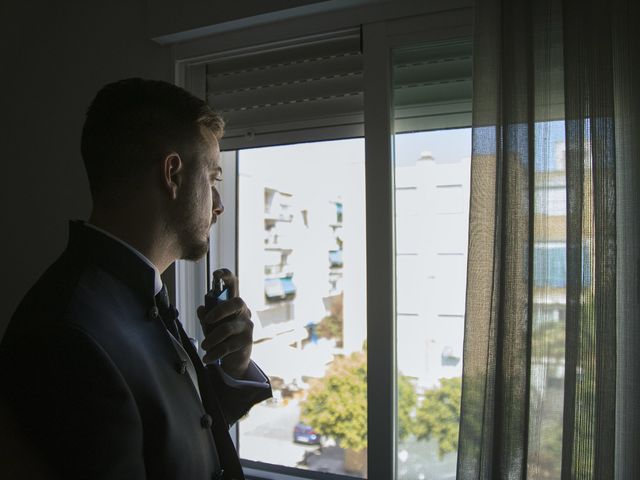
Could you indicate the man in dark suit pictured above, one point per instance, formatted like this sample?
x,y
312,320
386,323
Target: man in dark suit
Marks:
x,y
95,365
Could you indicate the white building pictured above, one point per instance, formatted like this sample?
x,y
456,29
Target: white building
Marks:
x,y
301,245
432,211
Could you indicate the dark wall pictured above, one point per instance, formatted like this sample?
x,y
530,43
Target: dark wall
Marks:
x,y
55,56
172,16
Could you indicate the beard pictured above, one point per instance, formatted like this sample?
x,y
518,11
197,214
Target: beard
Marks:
x,y
192,231
192,215
193,247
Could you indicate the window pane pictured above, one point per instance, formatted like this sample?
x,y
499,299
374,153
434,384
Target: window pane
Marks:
x,y
549,302
432,107
301,264
431,260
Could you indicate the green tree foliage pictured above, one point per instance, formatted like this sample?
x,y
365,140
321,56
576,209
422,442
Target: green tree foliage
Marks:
x,y
547,358
548,346
336,405
331,326
407,401
550,453
438,415
548,342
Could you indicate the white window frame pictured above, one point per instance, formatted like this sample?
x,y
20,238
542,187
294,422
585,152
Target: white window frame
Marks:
x,y
382,31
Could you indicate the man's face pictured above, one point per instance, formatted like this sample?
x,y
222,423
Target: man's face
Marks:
x,y
201,204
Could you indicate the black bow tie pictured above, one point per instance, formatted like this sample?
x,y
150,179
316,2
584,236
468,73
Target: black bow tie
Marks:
x,y
168,312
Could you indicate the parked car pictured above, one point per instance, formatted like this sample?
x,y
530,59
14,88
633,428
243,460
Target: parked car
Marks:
x,y
303,433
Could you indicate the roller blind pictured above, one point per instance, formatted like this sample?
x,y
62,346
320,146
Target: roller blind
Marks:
x,y
312,89
432,87
302,90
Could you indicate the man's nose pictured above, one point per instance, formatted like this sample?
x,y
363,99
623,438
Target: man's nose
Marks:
x,y
218,208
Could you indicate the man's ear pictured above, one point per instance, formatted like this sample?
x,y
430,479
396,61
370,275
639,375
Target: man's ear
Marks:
x,y
172,174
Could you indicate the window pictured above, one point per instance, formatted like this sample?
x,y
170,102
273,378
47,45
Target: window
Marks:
x,y
549,301
308,244
551,266
431,284
325,130
431,90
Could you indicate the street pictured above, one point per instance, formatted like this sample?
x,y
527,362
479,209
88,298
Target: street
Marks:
x,y
266,435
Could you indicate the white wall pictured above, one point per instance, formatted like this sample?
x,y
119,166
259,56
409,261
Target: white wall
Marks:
x,y
55,56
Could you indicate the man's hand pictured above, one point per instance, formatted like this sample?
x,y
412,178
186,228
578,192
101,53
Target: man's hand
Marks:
x,y
228,330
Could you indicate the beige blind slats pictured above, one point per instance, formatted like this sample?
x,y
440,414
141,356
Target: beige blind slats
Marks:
x,y
434,93
298,91
307,70
295,92
313,90
295,115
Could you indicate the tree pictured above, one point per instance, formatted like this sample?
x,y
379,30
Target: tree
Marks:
x,y
438,415
407,401
331,326
336,405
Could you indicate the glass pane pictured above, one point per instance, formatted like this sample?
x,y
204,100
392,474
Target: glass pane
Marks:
x,y
432,165
301,263
549,302
431,253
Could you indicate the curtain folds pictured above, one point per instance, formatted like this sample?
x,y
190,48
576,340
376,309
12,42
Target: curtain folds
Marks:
x,y
550,379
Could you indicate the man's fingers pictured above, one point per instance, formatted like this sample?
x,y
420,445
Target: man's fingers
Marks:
x,y
229,279
226,330
232,307
232,345
223,274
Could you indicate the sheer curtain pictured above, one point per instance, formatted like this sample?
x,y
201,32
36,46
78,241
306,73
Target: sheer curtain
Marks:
x,y
551,374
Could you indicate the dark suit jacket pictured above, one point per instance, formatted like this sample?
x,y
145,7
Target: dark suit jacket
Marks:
x,y
96,383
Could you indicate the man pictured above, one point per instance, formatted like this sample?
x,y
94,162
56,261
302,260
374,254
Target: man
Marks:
x,y
94,365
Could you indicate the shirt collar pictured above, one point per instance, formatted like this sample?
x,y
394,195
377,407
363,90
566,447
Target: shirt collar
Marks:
x,y
157,281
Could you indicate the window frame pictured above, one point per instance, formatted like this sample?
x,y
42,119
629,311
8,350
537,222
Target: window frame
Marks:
x,y
437,21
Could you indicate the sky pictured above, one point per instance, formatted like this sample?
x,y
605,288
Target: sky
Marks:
x,y
444,145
